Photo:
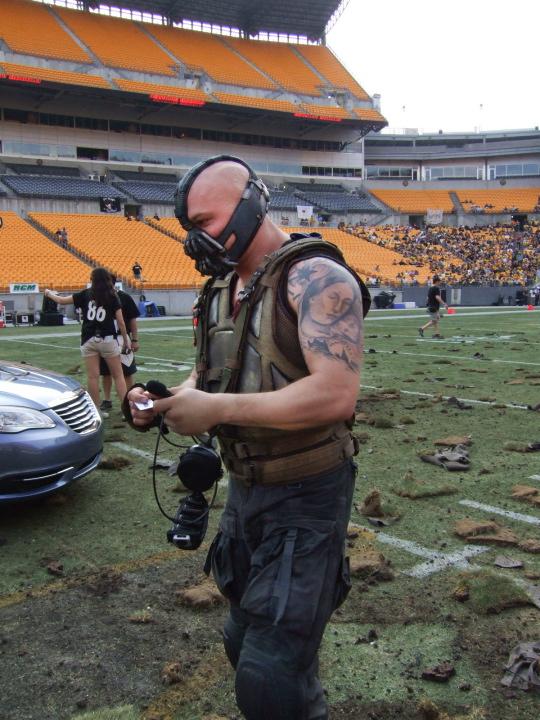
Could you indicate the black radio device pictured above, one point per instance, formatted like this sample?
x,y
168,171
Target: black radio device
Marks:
x,y
198,469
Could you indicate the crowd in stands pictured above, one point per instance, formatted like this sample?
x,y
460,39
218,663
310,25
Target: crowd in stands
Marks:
x,y
492,255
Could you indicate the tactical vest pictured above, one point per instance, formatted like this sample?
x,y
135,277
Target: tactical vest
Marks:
x,y
259,351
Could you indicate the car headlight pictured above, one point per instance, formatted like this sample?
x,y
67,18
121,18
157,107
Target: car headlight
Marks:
x,y
15,419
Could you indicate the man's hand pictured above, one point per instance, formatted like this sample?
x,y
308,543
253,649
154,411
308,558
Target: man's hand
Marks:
x,y
138,396
189,411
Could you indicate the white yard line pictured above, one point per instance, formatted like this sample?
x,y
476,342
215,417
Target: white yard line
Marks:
x,y
454,357
512,406
77,333
141,453
436,560
534,477
520,517
31,342
461,313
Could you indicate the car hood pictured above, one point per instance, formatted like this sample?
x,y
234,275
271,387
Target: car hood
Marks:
x,y
27,386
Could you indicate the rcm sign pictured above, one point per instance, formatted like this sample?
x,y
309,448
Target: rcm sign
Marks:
x,y
24,288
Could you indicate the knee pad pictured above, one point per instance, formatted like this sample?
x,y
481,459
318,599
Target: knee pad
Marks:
x,y
266,691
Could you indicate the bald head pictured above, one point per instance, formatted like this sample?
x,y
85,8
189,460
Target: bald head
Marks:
x,y
222,204
218,188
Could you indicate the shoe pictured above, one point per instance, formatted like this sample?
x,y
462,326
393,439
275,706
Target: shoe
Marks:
x,y
421,332
103,415
105,405
438,337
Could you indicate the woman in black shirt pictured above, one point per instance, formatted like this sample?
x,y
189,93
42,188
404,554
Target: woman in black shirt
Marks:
x,y
101,319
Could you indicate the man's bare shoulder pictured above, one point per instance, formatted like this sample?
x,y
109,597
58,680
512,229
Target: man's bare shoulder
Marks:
x,y
304,272
328,302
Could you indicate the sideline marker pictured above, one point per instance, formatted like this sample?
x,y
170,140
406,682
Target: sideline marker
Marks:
x,y
530,307
451,311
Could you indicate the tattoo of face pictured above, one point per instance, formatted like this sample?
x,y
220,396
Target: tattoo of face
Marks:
x,y
330,311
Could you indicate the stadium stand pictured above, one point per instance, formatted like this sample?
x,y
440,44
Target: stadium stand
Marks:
x,y
489,255
319,187
415,201
146,176
59,187
118,43
369,114
29,256
330,111
170,226
115,243
499,200
175,91
203,52
64,77
283,200
326,63
335,199
32,29
257,102
156,192
367,258
370,260
281,63
417,248
54,170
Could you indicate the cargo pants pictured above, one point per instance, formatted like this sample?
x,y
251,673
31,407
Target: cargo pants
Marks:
x,y
279,559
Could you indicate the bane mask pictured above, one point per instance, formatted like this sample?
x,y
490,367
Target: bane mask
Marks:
x,y
209,253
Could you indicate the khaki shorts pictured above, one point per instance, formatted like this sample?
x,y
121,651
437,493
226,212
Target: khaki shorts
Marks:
x,y
107,346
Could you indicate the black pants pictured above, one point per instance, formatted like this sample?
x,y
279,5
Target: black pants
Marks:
x,y
278,558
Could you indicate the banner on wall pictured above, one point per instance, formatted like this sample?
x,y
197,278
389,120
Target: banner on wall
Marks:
x,y
304,212
434,216
109,205
26,288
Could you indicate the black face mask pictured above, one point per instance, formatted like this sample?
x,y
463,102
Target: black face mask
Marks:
x,y
210,255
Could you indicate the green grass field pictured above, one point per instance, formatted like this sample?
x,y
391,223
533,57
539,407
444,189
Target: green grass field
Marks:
x,y
70,650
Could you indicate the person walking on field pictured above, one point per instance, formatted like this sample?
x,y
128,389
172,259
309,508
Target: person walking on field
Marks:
x,y
434,302
130,313
100,308
279,343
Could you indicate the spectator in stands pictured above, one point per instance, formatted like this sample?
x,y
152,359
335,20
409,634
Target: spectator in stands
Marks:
x,y
63,237
130,313
137,271
100,309
156,217
434,302
279,554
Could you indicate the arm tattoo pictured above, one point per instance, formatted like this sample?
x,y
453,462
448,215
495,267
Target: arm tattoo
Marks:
x,y
329,306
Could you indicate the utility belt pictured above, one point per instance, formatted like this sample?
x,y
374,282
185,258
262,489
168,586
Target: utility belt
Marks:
x,y
277,463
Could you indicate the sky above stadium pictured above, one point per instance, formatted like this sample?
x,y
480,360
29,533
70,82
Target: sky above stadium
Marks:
x,y
468,65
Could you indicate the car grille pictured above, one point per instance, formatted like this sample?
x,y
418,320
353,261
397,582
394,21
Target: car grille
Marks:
x,y
79,413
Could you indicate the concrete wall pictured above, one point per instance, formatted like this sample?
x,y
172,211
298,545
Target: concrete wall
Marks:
x,y
471,296
175,302
180,302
